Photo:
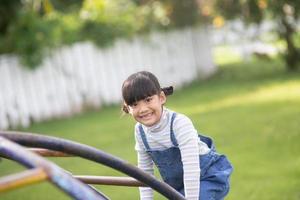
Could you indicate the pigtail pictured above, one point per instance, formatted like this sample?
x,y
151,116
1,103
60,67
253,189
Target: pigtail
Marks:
x,y
125,108
168,90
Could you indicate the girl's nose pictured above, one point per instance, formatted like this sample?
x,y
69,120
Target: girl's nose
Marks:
x,y
143,108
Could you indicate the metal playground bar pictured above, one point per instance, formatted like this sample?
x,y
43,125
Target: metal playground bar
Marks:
x,y
12,146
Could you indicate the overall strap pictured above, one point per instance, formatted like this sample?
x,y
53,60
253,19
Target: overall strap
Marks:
x,y
173,139
144,139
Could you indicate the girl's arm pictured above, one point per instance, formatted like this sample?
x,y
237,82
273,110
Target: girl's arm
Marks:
x,y
187,138
145,163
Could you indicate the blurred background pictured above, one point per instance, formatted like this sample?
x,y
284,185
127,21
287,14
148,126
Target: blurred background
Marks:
x,y
234,64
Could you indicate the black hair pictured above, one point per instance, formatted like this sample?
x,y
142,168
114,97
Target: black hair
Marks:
x,y
140,85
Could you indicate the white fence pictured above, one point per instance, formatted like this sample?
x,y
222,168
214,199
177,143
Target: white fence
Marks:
x,y
80,75
247,39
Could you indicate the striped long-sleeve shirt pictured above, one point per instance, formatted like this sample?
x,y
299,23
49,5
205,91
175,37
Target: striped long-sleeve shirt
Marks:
x,y
158,137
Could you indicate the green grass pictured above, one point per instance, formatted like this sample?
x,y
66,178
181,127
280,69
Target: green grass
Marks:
x,y
251,109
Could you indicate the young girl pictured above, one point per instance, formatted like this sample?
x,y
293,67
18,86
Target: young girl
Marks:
x,y
186,161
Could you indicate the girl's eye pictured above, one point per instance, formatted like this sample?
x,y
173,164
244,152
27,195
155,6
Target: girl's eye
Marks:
x,y
148,99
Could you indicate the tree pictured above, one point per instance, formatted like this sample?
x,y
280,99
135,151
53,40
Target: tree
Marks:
x,y
30,29
168,14
8,11
284,12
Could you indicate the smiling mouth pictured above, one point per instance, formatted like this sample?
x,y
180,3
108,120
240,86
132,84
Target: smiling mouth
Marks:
x,y
146,116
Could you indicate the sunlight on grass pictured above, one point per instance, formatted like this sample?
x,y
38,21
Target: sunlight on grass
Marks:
x,y
289,91
225,55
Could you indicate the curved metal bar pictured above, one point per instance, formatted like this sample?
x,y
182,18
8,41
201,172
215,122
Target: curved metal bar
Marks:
x,y
56,175
110,180
93,154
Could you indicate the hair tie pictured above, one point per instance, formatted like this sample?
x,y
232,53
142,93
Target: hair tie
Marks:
x,y
167,90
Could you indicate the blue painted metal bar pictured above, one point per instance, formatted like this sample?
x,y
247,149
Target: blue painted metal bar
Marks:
x,y
93,154
56,175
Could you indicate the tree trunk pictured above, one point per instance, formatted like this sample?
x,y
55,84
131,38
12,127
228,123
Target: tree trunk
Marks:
x,y
292,52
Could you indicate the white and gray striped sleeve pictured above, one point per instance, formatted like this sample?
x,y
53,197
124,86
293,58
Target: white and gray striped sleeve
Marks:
x,y
145,163
187,138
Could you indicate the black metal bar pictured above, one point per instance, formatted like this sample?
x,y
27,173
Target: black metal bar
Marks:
x,y
56,175
110,180
93,154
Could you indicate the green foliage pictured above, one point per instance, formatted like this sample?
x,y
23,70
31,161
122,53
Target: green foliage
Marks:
x,y
103,23
249,11
30,36
285,13
168,14
182,13
36,27
8,11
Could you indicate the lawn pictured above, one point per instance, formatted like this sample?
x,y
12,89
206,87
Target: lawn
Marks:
x,y
251,109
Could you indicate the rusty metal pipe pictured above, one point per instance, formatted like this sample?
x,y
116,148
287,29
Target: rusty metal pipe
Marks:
x,y
23,178
45,153
48,153
110,180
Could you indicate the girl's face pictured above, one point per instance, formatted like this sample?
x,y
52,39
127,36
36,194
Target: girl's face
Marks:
x,y
149,110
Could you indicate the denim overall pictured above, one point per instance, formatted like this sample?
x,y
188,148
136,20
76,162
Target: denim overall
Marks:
x,y
215,168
